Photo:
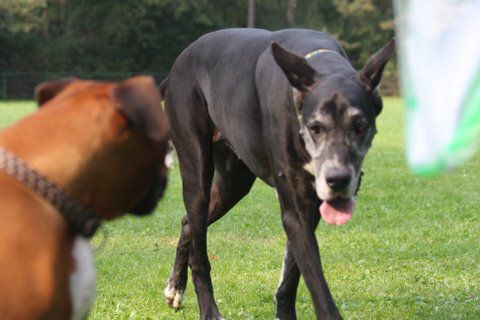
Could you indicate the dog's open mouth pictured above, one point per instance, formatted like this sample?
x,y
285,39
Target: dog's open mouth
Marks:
x,y
337,211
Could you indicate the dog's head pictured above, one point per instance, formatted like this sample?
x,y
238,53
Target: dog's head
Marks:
x,y
121,134
337,124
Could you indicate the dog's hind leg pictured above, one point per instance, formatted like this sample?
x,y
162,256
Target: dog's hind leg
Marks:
x,y
232,181
177,281
192,132
287,288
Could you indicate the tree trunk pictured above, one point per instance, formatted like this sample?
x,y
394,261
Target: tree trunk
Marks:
x,y
251,14
313,16
290,12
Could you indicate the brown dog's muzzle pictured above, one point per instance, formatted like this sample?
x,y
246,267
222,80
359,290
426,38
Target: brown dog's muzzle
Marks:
x,y
149,202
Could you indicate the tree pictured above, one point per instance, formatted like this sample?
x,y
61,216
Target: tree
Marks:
x,y
81,36
251,14
290,6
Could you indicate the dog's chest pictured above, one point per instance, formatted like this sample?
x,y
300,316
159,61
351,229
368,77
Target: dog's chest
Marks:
x,y
82,279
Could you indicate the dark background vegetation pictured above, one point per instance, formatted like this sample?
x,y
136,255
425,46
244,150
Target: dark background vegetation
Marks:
x,y
109,39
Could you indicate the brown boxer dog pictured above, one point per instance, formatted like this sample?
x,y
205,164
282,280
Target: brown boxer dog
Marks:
x,y
92,152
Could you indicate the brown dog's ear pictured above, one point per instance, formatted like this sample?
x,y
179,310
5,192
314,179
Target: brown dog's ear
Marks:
x,y
371,73
299,73
47,90
139,101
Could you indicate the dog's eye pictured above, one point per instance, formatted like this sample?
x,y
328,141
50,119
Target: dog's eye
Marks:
x,y
315,128
361,127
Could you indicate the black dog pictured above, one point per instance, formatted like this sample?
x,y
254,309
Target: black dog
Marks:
x,y
301,119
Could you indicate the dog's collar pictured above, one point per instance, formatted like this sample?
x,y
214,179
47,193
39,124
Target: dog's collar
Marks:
x,y
319,51
309,56
83,220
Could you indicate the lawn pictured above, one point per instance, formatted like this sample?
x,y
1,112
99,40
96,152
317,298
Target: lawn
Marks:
x,y
411,251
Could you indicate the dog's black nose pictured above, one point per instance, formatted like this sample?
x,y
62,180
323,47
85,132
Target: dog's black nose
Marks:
x,y
338,178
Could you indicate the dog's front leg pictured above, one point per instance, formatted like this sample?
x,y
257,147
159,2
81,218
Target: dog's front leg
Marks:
x,y
305,250
287,288
299,224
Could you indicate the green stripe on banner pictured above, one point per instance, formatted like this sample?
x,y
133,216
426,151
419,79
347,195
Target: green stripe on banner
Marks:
x,y
429,169
467,136
410,98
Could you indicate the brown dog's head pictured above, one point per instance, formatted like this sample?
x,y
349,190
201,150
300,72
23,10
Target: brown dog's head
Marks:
x,y
114,138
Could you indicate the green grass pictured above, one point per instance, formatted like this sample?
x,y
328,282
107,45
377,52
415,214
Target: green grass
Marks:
x,y
10,111
411,251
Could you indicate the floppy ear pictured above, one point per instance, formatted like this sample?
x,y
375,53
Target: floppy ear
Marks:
x,y
47,90
371,73
139,101
299,73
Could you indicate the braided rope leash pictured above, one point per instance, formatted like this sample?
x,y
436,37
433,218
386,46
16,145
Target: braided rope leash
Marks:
x,y
83,220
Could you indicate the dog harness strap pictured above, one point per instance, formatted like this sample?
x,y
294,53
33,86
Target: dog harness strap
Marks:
x,y
319,51
83,220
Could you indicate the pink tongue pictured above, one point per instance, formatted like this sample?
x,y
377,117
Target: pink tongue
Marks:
x,y
337,211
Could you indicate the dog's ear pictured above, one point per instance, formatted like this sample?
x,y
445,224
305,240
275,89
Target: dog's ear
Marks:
x,y
138,100
371,73
299,73
47,90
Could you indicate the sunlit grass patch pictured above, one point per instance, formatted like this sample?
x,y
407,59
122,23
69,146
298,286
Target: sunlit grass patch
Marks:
x,y
411,250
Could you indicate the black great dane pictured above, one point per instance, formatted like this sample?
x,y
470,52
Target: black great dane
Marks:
x,y
286,107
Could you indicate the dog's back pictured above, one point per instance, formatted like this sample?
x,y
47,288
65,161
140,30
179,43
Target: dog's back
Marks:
x,y
221,69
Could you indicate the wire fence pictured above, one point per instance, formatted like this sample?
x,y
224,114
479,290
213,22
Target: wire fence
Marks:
x,y
19,85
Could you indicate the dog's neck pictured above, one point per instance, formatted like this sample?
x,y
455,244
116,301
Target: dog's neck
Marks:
x,y
81,219
61,152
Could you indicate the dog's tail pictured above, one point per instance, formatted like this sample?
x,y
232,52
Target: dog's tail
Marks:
x,y
162,87
171,154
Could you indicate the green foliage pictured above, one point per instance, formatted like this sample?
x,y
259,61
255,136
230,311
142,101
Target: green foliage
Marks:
x,y
139,35
410,251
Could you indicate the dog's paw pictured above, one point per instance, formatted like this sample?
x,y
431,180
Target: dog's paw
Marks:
x,y
174,297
